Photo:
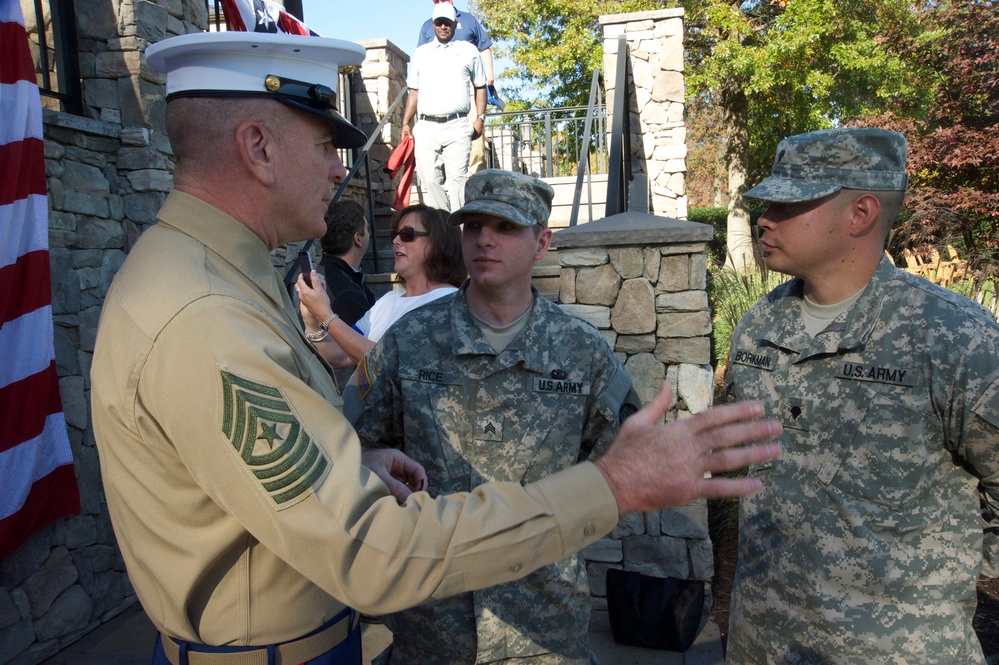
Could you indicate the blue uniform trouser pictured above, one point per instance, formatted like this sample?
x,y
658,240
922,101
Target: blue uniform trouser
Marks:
x,y
347,652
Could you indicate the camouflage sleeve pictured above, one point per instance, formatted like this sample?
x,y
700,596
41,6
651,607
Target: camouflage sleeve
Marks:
x,y
728,391
981,445
371,399
615,400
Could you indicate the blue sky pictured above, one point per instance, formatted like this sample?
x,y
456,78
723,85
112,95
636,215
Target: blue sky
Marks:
x,y
398,21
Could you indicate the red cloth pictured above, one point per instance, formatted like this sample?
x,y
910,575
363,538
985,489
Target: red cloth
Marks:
x,y
37,481
402,159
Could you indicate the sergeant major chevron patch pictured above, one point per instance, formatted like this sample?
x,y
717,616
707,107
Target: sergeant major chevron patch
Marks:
x,y
270,439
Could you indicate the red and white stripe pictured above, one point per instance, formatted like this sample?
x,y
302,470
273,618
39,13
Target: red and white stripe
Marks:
x,y
37,482
261,16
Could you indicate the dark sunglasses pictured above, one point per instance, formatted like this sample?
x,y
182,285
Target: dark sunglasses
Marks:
x,y
443,21
408,234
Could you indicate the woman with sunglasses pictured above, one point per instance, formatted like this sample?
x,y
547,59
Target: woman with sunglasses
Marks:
x,y
428,261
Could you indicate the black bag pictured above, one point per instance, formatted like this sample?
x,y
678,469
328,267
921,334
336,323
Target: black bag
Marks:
x,y
654,612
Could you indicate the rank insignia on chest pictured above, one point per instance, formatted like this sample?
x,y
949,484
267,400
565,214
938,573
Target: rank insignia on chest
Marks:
x,y
794,414
489,428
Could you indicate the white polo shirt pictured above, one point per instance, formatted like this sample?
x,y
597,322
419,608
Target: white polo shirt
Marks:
x,y
442,74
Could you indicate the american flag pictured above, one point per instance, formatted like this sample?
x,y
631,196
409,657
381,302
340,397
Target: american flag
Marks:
x,y
262,16
37,482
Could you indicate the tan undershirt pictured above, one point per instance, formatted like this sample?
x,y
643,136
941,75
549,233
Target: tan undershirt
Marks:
x,y
816,317
500,337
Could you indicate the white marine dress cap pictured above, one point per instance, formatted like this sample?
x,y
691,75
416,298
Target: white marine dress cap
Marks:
x,y
297,70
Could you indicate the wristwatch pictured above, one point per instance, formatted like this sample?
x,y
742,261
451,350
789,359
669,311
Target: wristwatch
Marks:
x,y
482,117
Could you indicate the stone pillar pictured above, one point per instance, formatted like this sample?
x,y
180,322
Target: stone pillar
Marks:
x,y
641,280
380,80
655,79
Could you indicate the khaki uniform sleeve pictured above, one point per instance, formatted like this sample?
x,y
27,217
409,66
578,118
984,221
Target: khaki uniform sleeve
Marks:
x,y
285,464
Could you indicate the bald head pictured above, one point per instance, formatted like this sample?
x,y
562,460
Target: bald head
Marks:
x,y
202,130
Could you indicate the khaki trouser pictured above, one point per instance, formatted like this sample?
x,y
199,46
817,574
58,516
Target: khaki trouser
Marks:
x,y
441,152
477,156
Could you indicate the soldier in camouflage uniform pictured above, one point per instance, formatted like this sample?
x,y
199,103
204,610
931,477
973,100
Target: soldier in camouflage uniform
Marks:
x,y
495,384
867,540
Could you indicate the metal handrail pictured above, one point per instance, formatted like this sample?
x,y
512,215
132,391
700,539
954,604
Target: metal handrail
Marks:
x,y
538,150
362,156
584,156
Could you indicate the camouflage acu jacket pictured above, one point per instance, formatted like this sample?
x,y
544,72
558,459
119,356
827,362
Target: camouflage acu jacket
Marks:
x,y
436,389
866,541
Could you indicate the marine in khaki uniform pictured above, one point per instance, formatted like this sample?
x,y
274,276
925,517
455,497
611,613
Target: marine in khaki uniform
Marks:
x,y
235,486
495,384
867,540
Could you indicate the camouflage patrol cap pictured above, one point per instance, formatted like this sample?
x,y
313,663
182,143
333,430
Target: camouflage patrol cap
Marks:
x,y
515,197
810,166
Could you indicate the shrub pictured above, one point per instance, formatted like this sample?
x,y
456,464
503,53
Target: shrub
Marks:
x,y
716,218
732,295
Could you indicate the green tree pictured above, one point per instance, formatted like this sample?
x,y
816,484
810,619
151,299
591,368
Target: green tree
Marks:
x,y
953,196
555,45
781,67
775,67
706,144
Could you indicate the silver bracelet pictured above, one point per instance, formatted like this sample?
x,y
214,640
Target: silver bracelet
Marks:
x,y
324,329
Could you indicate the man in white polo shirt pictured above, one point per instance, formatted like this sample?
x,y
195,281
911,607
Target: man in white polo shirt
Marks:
x,y
438,81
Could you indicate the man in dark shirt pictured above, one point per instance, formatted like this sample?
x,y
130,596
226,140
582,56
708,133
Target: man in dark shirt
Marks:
x,y
344,245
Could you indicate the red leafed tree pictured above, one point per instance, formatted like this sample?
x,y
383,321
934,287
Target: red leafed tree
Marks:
x,y
953,196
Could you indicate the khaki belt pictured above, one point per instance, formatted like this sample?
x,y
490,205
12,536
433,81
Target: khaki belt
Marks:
x,y
287,653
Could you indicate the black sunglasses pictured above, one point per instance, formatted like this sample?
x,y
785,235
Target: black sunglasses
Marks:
x,y
443,21
408,234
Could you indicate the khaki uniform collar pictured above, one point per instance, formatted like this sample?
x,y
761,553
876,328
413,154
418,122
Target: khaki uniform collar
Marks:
x,y
227,237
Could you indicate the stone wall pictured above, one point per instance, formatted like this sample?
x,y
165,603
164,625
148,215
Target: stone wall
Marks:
x,y
658,133
641,280
107,175
382,78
